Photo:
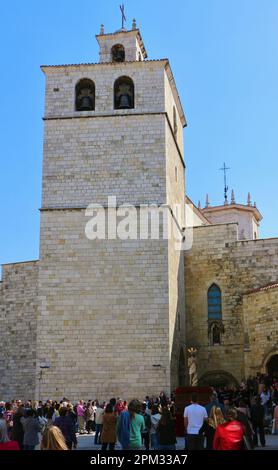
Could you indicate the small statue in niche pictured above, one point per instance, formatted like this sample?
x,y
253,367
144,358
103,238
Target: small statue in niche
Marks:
x,y
216,334
215,331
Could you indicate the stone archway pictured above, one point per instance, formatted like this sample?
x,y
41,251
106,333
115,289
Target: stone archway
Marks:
x,y
218,378
272,365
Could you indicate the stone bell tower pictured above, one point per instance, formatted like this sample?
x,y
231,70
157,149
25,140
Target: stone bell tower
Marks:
x,y
111,319
121,46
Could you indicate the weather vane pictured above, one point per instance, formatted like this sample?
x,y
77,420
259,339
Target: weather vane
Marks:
x,y
122,8
225,168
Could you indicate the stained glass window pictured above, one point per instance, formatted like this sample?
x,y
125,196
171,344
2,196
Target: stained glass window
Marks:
x,y
214,303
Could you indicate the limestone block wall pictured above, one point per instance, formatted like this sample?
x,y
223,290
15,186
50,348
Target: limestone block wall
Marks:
x,y
175,199
148,78
18,318
108,308
256,261
104,318
177,327
127,39
260,312
170,104
207,262
86,160
175,174
236,267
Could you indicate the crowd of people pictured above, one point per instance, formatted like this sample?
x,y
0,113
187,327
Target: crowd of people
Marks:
x,y
235,416
231,420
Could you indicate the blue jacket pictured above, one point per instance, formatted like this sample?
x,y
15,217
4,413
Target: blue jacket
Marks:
x,y
124,429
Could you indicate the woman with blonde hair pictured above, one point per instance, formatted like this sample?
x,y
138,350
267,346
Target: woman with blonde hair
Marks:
x,y
53,439
210,424
229,435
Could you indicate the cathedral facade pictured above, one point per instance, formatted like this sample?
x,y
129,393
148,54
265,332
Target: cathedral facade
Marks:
x,y
231,293
115,317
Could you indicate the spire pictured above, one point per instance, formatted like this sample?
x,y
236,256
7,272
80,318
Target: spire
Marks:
x,y
249,199
134,26
207,200
101,29
199,205
233,199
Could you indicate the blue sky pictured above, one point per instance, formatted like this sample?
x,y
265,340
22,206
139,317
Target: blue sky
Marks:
x,y
224,55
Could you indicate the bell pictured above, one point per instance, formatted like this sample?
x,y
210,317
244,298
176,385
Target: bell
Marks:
x,y
124,102
86,104
118,55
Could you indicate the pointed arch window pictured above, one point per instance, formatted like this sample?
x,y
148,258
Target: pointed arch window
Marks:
x,y
214,303
85,95
124,93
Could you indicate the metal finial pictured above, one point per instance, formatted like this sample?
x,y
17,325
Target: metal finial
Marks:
x,y
122,8
134,26
101,29
225,168
249,199
233,199
255,205
207,200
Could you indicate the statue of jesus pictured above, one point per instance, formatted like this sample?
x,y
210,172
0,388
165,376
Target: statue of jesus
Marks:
x,y
192,367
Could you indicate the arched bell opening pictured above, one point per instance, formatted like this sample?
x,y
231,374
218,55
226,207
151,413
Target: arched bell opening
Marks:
x,y
85,95
124,93
118,53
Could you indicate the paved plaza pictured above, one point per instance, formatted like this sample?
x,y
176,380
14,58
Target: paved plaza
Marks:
x,y
86,442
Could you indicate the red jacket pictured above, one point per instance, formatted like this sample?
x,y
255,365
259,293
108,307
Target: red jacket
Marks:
x,y
229,436
10,445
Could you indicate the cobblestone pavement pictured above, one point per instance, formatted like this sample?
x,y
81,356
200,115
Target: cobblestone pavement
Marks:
x,y
86,442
